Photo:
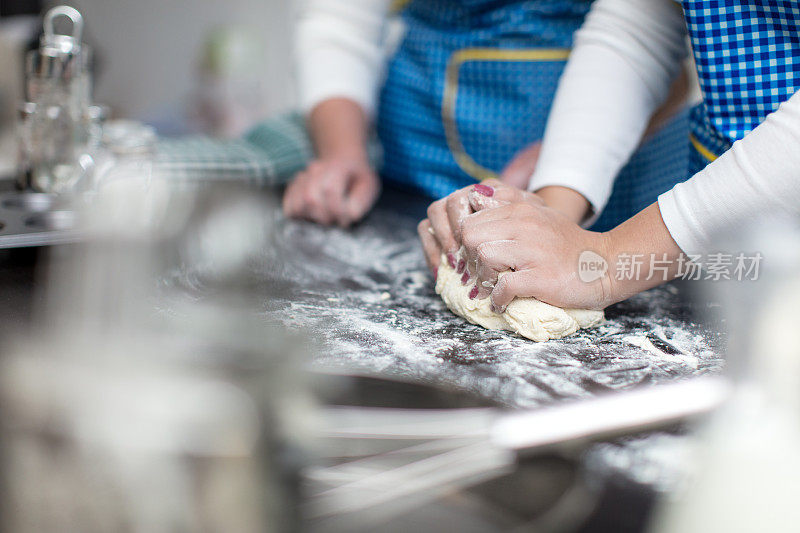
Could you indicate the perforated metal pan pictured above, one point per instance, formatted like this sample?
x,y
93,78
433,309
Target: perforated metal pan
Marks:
x,y
35,219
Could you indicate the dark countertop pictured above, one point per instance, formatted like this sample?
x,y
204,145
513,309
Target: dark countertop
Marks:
x,y
364,296
367,297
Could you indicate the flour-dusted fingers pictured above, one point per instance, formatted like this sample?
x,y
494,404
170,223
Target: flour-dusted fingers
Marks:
x,y
479,238
490,225
304,198
483,197
362,193
494,257
518,284
457,208
292,196
332,183
314,206
430,246
334,190
478,218
499,224
470,268
437,214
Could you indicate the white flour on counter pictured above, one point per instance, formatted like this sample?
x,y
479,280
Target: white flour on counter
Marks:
x,y
368,298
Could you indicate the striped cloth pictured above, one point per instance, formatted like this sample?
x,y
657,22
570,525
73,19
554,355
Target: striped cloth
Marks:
x,y
270,154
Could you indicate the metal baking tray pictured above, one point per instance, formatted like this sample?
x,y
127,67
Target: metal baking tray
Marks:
x,y
36,219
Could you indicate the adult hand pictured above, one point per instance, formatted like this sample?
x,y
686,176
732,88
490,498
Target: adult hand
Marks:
x,y
334,190
541,247
441,231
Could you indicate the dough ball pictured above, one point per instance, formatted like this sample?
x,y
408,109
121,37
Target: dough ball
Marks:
x,y
528,317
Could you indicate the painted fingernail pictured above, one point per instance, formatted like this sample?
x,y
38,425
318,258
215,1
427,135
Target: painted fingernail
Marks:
x,y
465,278
461,266
451,260
483,189
473,293
435,276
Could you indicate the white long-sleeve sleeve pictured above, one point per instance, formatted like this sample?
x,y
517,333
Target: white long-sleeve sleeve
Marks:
x,y
624,59
758,176
339,51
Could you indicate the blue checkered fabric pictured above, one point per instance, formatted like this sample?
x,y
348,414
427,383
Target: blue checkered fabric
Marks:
x,y
500,104
748,62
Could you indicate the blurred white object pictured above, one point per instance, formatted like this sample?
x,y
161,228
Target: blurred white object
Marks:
x,y
120,418
399,458
230,96
748,465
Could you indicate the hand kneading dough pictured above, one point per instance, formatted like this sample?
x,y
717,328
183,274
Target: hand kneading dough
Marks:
x,y
528,317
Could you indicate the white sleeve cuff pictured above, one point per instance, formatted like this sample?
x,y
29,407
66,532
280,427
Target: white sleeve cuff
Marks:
x,y
625,56
339,51
593,190
681,224
332,76
757,178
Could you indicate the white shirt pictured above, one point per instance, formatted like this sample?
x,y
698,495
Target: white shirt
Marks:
x,y
624,60
340,47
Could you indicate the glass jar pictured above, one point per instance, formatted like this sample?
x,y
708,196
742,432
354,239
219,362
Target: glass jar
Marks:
x,y
129,151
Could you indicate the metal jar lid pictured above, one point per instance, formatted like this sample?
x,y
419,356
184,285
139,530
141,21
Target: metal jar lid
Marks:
x,y
59,56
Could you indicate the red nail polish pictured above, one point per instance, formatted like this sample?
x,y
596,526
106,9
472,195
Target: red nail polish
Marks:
x,y
473,293
465,278
451,260
435,276
461,266
484,189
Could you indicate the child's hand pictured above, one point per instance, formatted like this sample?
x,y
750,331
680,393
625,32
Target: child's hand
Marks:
x,y
333,190
518,172
340,186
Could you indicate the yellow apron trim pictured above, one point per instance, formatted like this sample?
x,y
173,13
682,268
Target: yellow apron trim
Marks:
x,y
702,150
398,5
467,164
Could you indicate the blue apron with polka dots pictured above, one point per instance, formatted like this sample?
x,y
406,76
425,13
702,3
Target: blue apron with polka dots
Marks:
x,y
470,85
748,62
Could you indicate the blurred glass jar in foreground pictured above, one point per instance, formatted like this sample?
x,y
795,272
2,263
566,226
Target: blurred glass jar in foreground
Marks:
x,y
134,408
